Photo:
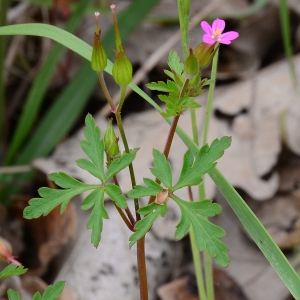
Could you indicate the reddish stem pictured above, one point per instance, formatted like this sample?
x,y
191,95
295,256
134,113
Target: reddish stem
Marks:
x,y
131,222
141,265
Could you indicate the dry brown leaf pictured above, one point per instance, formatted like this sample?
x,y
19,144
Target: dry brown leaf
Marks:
x,y
50,234
281,217
185,288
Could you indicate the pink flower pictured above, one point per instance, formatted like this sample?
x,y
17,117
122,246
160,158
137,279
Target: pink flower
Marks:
x,y
214,34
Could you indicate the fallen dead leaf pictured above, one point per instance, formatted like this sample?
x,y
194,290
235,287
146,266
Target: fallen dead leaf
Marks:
x,y
185,288
50,234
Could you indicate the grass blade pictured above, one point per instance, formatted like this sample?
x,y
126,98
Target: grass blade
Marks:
x,y
259,234
37,92
286,35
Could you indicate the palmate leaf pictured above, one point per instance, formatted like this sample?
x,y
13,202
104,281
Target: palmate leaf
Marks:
x,y
51,292
207,234
95,221
152,212
12,270
50,198
193,169
162,168
151,189
93,148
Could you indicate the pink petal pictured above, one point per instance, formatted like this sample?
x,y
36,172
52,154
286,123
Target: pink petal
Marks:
x,y
206,27
218,24
207,39
227,37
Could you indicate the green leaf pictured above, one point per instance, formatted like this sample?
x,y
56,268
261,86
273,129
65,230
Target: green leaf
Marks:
x,y
93,148
114,193
192,172
153,211
37,296
169,87
174,62
159,86
13,295
53,292
38,89
95,221
120,163
162,169
170,74
50,198
151,189
207,234
12,270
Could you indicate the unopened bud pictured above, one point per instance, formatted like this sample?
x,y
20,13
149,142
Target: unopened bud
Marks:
x,y
111,141
205,53
99,57
122,69
191,65
5,253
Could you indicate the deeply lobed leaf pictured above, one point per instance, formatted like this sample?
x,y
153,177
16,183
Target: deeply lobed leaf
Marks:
x,y
162,168
93,148
50,198
193,169
95,220
206,233
12,270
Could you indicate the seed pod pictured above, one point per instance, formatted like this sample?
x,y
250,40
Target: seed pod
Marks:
x,y
122,69
191,65
99,57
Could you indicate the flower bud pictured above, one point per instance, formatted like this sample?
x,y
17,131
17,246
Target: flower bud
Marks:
x,y
99,57
205,53
5,253
191,65
111,141
122,69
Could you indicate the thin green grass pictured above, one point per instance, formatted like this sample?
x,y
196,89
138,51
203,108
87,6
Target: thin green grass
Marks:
x,y
287,42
